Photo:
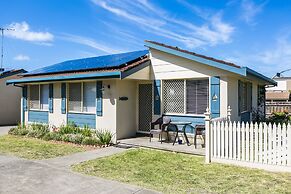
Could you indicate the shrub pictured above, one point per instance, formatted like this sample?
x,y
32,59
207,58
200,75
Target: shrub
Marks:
x,y
56,136
90,141
86,131
70,128
280,117
66,137
19,130
48,136
104,136
38,130
76,138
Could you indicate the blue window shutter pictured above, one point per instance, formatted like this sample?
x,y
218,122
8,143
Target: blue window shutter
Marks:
x,y
99,105
63,95
51,97
215,96
24,96
157,97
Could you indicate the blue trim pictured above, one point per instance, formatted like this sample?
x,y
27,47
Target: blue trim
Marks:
x,y
113,74
24,95
195,120
82,119
51,97
63,96
211,63
38,116
99,96
215,91
261,76
157,97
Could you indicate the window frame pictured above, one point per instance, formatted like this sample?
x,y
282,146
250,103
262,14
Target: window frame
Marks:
x,y
185,97
246,96
39,98
82,98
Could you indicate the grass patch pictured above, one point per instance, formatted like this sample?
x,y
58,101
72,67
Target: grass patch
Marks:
x,y
31,148
180,173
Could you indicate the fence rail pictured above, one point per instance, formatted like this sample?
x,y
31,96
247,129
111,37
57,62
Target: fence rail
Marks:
x,y
277,107
258,145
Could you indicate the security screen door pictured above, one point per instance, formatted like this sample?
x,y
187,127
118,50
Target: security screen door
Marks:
x,y
145,107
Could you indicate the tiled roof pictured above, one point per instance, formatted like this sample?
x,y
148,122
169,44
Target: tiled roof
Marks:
x,y
278,95
107,62
192,53
11,72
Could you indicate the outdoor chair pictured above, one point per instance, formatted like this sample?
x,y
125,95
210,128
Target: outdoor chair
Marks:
x,y
199,130
162,122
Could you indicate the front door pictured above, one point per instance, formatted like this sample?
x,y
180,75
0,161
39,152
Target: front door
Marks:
x,y
145,107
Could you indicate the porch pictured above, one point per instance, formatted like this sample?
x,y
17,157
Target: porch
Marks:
x,y
142,140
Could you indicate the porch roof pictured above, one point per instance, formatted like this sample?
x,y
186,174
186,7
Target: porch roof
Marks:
x,y
210,61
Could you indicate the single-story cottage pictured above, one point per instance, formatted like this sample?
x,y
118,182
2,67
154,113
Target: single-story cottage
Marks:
x,y
9,98
124,92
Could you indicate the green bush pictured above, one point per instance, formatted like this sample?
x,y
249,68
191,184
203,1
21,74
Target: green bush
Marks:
x,y
38,130
76,138
90,141
66,137
86,131
104,136
19,130
280,117
70,128
48,136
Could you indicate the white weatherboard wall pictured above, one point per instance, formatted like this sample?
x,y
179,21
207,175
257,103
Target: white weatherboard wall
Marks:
x,y
126,109
57,118
108,120
10,99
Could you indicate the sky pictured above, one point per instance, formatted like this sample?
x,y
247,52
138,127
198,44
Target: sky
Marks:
x,y
249,33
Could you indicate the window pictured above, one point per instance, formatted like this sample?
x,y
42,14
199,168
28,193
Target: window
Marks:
x,y
39,95
82,97
245,96
185,96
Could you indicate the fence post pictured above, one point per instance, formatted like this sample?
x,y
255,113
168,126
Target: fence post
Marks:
x,y
289,145
207,136
228,113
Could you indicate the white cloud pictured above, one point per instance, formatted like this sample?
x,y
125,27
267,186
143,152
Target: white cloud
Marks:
x,y
22,31
155,20
21,57
250,10
89,42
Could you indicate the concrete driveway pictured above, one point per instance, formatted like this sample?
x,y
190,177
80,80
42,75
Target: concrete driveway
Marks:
x,y
54,175
4,129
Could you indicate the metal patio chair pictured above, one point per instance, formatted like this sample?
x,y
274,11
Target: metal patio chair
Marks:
x,y
162,122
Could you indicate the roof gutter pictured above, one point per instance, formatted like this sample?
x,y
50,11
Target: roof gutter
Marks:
x,y
113,74
260,76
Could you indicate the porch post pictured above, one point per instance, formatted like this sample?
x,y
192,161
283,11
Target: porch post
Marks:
x,y
228,113
207,136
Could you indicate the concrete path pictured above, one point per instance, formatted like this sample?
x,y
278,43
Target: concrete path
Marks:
x,y
4,129
67,161
26,176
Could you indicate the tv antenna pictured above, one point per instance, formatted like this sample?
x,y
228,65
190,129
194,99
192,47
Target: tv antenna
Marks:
x,y
280,73
2,43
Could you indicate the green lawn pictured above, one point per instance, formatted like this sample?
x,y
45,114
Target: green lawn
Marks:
x,y
32,148
179,173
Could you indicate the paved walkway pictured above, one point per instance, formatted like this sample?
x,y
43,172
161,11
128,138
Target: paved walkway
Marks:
x,y
54,175
4,129
26,176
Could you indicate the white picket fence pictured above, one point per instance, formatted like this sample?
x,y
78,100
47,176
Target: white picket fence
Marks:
x,y
256,145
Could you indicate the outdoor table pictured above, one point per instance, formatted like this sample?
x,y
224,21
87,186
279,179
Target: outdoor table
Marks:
x,y
184,124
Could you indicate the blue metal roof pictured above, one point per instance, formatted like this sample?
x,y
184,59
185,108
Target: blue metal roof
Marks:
x,y
101,62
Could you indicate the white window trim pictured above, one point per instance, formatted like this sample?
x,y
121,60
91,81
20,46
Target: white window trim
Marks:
x,y
82,99
39,96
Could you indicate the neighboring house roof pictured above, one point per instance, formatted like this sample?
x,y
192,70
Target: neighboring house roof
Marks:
x,y
279,95
109,66
217,63
12,72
